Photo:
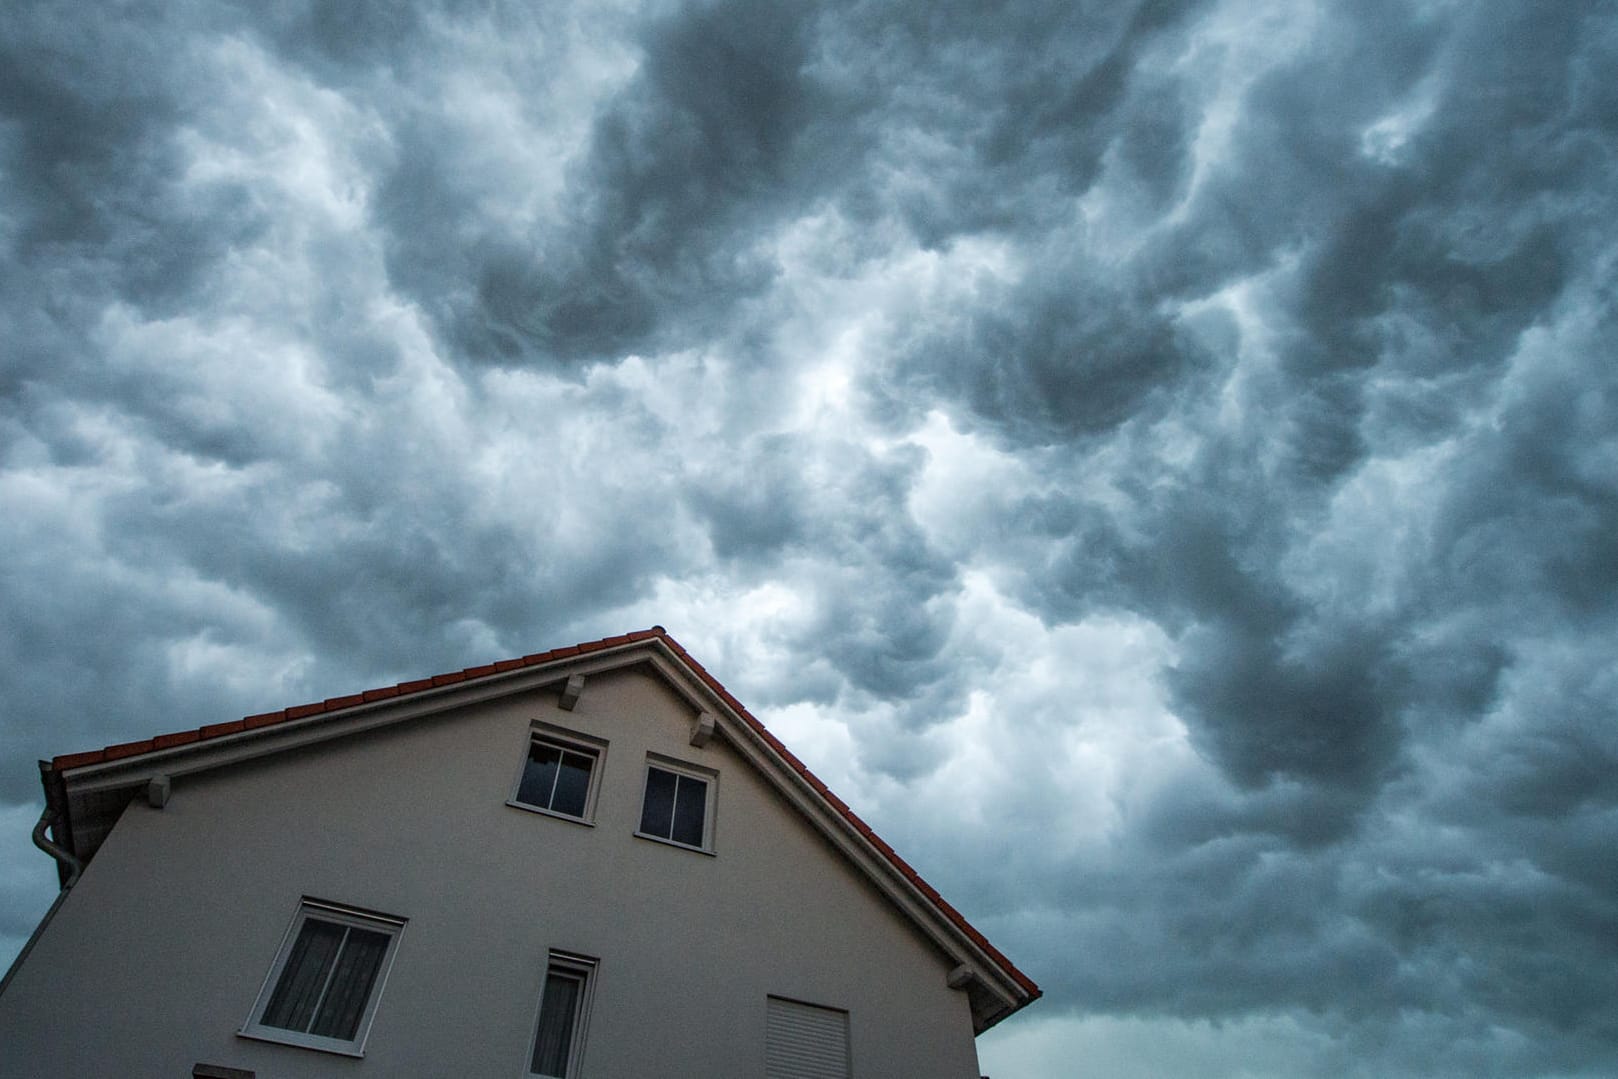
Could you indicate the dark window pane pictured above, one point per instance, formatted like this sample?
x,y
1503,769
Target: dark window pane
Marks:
x,y
689,805
657,815
350,986
303,979
556,1013
572,784
539,775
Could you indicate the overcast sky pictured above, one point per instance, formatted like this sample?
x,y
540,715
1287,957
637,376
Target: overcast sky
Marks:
x,y
1157,461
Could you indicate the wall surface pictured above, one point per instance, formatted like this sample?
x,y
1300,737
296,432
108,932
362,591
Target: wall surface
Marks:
x,y
156,957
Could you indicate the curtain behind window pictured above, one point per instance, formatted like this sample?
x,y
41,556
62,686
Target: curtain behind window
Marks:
x,y
556,1012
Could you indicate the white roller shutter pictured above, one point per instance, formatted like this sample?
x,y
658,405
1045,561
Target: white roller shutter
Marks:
x,y
802,1041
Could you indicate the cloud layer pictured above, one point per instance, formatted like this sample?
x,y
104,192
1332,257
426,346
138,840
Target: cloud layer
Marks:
x,y
1159,461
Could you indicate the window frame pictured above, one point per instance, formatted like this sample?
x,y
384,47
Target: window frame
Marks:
x,y
584,968
710,806
568,742
337,914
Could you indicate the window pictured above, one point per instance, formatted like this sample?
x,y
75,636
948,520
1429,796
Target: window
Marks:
x,y
324,985
677,806
564,1009
803,1041
558,775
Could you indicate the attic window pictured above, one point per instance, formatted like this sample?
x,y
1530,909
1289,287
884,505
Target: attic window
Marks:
x,y
678,804
323,988
558,776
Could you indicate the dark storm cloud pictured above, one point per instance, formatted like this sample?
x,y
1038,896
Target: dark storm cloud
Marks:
x,y
343,343
725,129
1418,292
1057,357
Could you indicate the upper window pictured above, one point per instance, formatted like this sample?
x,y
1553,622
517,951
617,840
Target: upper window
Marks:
x,y
559,776
678,804
564,1009
325,983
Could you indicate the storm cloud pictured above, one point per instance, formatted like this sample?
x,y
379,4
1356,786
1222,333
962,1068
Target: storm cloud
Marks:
x,y
1157,461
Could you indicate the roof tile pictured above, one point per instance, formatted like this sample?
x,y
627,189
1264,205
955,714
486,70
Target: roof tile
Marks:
x,y
265,719
77,760
127,749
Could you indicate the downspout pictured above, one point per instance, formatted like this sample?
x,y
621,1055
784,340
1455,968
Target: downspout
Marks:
x,y
60,853
67,862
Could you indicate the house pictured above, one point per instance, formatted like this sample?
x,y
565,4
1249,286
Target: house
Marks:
x,y
592,862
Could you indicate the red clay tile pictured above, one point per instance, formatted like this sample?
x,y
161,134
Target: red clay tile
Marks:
x,y
381,694
508,664
217,730
127,749
299,711
448,679
78,760
178,738
414,687
264,719
479,672
334,703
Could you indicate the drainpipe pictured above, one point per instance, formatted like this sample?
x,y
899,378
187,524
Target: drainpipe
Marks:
x,y
60,853
73,867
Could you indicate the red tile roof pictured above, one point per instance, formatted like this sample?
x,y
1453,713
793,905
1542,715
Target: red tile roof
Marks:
x,y
69,761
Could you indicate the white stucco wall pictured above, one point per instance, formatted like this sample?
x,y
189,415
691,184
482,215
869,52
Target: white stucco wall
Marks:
x,y
155,959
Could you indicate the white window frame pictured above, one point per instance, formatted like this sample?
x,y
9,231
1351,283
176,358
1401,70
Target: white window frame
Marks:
x,y
710,801
568,742
583,968
337,914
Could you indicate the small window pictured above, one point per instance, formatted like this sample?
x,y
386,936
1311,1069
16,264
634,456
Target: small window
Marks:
x,y
677,806
564,1010
324,985
804,1041
558,776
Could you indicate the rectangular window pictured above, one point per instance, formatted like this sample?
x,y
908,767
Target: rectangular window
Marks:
x,y
563,1012
558,776
324,985
677,805
804,1041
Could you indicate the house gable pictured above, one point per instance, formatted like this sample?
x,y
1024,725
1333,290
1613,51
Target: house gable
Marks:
x,y
87,791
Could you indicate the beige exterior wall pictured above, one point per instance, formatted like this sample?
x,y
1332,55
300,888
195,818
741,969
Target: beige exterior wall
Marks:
x,y
155,959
